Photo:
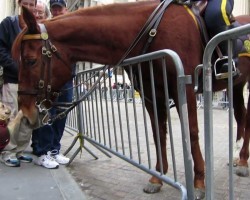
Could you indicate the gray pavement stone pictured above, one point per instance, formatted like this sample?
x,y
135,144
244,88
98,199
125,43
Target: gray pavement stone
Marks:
x,y
115,179
32,182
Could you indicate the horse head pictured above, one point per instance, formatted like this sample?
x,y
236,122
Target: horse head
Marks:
x,y
37,56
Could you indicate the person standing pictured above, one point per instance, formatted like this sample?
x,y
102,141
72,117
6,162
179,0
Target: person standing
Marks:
x,y
46,140
10,27
41,11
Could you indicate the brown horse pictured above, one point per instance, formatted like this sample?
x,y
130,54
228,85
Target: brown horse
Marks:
x,y
102,35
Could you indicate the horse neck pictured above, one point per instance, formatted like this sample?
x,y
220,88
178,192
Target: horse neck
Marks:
x,y
97,35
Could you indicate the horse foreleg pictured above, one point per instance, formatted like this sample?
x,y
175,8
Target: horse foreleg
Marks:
x,y
242,168
155,183
239,110
199,169
240,117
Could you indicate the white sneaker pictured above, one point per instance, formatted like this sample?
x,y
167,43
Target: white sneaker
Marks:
x,y
47,161
61,159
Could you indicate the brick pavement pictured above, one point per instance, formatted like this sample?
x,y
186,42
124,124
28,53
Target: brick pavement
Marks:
x,y
114,179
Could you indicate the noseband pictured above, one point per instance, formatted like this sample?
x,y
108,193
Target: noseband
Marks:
x,y
44,93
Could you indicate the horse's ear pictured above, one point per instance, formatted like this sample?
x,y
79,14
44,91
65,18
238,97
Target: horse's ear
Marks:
x,y
30,21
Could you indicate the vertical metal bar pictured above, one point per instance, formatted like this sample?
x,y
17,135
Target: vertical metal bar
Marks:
x,y
119,114
133,96
93,106
136,126
113,112
137,131
101,98
208,129
144,115
97,93
126,111
80,116
165,81
89,111
108,113
156,116
230,97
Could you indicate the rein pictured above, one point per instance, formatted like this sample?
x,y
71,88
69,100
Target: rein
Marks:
x,y
150,28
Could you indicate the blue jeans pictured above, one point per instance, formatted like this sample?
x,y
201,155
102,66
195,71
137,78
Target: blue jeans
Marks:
x,y
48,137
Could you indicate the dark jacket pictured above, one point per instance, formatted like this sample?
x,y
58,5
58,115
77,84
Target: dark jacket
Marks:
x,y
9,29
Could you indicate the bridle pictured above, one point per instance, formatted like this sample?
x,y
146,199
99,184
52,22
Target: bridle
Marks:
x,y
43,92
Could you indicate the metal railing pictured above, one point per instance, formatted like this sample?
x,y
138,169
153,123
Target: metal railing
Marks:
x,y
207,88
112,119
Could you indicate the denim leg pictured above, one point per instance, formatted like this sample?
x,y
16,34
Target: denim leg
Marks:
x,y
42,140
59,125
58,128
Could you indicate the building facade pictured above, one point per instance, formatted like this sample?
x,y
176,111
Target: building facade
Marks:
x,y
7,7
241,7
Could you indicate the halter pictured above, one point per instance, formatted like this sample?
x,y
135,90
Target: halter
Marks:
x,y
44,93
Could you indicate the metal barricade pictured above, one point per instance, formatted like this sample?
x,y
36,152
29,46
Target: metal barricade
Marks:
x,y
220,100
115,119
207,88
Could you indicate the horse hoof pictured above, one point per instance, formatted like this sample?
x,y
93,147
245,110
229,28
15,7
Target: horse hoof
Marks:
x,y
199,193
152,188
242,171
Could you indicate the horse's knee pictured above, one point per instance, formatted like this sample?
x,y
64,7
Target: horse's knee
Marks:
x,y
194,138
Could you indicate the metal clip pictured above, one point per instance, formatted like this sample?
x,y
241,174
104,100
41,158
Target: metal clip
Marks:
x,y
53,48
49,54
49,122
44,51
41,84
152,32
41,108
49,88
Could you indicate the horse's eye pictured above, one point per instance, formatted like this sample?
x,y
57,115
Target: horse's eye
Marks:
x,y
30,62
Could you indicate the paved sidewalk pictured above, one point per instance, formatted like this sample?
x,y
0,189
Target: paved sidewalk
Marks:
x,y
30,182
115,179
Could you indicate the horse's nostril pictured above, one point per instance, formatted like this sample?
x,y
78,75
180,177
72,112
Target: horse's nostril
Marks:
x,y
7,112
